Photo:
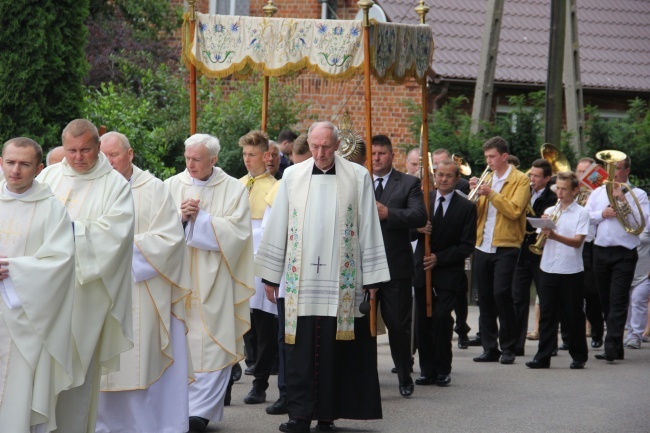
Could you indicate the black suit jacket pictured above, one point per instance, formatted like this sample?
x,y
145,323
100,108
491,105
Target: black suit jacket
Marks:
x,y
543,202
452,242
403,197
463,186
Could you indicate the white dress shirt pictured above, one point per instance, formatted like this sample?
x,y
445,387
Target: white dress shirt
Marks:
x,y
557,257
491,219
445,204
610,232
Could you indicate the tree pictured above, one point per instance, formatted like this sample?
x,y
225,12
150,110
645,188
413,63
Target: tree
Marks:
x,y
42,67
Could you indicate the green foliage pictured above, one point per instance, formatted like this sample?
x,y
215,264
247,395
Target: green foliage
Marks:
x,y
42,66
630,135
522,127
148,18
242,112
153,112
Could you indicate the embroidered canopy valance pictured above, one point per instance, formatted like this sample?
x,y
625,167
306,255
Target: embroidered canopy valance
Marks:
x,y
223,45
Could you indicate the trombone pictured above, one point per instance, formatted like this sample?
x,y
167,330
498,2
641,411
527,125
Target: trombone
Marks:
x,y
622,207
485,179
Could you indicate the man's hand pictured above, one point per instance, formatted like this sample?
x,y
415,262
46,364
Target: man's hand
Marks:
x,y
189,209
4,272
609,212
382,211
426,229
472,182
430,262
484,190
548,233
271,292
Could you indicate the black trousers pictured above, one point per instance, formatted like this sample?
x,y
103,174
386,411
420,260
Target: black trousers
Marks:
x,y
266,329
282,386
560,295
396,303
593,310
614,272
526,271
493,278
461,309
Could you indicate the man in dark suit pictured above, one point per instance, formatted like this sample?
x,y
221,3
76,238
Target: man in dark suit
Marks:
x,y
285,142
527,268
452,239
400,205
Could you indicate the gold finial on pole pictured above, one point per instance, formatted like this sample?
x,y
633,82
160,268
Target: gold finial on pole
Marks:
x,y
270,9
365,6
422,10
192,4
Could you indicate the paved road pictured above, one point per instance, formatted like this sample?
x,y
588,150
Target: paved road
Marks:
x,y
492,397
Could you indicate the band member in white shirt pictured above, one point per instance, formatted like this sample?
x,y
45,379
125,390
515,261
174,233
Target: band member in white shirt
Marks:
x,y
560,290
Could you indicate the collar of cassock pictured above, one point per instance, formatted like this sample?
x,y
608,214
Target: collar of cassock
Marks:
x,y
317,170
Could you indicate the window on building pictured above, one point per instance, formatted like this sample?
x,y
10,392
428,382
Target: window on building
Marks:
x,y
230,7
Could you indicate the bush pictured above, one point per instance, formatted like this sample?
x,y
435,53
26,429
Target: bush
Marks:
x,y
42,66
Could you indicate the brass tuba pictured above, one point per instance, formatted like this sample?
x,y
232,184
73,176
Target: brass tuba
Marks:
x,y
622,207
555,157
464,167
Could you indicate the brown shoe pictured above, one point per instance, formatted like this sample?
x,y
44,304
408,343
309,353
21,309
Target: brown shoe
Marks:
x,y
532,335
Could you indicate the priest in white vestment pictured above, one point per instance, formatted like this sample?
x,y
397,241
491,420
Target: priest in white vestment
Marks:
x,y
258,182
37,287
150,392
323,236
100,204
215,212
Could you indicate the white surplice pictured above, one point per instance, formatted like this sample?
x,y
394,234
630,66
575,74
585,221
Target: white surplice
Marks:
x,y
35,327
150,380
100,204
221,267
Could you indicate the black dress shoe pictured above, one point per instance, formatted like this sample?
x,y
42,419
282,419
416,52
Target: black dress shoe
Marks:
x,y
443,380
611,354
536,363
236,372
279,407
507,357
325,426
463,342
554,352
250,370
406,390
425,380
488,357
198,424
577,365
563,346
255,396
596,342
296,426
474,342
394,370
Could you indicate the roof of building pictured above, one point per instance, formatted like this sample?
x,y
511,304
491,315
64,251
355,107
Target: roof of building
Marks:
x,y
614,39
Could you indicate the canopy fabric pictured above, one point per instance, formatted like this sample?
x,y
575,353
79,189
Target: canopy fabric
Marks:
x,y
223,45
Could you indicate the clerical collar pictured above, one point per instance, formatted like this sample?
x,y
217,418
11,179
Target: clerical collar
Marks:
x,y
199,182
331,170
25,194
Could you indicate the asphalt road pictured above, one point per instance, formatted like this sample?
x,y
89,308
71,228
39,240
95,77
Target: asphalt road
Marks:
x,y
490,397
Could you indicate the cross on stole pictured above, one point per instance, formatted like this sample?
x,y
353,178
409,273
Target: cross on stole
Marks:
x,y
318,265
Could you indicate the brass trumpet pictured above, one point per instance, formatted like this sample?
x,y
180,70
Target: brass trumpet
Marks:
x,y
538,246
623,209
485,178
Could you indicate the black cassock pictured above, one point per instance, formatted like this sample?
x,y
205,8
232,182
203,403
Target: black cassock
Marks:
x,y
328,379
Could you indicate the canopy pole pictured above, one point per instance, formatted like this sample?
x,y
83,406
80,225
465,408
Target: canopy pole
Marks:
x,y
269,11
365,6
192,5
422,10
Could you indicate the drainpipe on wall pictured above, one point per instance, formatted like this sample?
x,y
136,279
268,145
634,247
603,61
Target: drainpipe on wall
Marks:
x,y
323,12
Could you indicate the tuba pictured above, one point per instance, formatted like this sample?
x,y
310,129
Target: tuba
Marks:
x,y
485,178
464,167
622,207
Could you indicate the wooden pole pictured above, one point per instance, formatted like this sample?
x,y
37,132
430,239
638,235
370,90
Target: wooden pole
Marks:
x,y
365,6
554,89
269,11
422,10
192,5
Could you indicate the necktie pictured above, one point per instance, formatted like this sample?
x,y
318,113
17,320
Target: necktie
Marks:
x,y
380,188
439,211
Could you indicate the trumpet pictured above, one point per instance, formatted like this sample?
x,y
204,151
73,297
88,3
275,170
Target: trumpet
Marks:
x,y
537,247
485,178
